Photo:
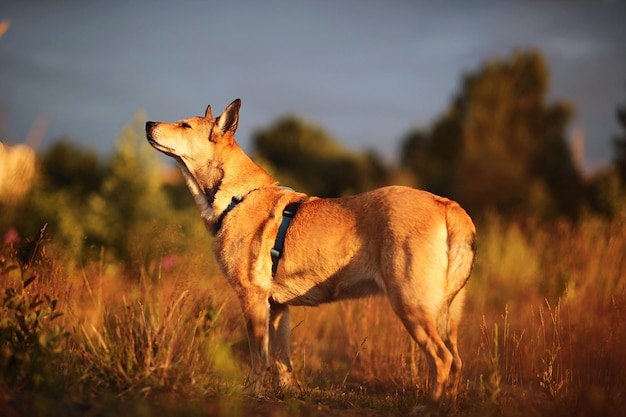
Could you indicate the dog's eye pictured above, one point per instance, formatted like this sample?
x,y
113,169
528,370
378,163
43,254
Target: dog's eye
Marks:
x,y
185,125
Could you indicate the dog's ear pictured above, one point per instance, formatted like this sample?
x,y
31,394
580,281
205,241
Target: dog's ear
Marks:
x,y
229,119
207,113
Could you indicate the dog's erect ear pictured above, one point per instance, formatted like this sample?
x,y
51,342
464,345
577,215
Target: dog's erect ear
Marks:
x,y
229,119
207,113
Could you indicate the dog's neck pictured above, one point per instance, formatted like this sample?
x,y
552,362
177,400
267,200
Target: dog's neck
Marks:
x,y
215,183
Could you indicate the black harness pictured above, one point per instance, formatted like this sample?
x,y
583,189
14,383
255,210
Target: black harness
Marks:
x,y
277,251
232,205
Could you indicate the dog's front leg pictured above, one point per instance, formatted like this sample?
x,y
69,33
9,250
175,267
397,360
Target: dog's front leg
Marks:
x,y
279,338
256,314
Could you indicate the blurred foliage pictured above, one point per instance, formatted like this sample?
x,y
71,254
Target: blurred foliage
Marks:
x,y
308,158
619,143
67,166
607,187
131,202
500,145
606,193
119,207
16,175
30,339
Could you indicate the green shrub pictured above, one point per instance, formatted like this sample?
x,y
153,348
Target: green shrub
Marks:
x,y
30,340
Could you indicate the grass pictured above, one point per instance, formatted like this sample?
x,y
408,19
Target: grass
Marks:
x,y
544,334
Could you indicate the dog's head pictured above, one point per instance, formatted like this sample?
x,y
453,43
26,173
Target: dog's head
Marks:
x,y
196,139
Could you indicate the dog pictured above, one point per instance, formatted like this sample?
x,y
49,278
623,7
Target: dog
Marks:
x,y
415,247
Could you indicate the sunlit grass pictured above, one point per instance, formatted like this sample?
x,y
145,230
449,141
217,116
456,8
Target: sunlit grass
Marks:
x,y
544,330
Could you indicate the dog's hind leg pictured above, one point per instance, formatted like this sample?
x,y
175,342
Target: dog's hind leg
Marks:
x,y
256,311
451,341
279,340
422,326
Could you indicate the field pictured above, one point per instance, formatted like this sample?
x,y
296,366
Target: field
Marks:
x,y
544,334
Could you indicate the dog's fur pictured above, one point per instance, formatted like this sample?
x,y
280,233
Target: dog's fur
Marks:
x,y
413,246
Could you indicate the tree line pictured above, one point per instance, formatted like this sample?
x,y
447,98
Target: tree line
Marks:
x,y
499,146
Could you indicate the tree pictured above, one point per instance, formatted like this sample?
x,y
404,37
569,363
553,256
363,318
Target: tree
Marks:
x,y
308,158
500,144
66,165
119,204
433,155
607,188
131,207
619,144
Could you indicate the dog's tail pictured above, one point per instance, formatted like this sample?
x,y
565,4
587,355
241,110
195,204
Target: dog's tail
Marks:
x,y
461,249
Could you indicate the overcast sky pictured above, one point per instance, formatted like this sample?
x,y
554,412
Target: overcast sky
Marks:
x,y
367,71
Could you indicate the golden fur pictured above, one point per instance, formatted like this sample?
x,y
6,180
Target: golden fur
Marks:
x,y
413,246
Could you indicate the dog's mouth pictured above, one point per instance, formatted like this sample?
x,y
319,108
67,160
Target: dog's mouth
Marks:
x,y
153,142
164,149
167,151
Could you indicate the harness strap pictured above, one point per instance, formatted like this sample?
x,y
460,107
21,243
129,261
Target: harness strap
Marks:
x,y
220,220
277,251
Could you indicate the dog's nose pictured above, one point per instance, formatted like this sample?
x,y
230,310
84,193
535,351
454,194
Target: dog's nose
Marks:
x,y
150,125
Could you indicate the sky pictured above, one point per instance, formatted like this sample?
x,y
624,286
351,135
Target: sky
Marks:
x,y
367,71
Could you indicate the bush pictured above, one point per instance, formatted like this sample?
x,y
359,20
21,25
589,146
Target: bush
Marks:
x,y
30,340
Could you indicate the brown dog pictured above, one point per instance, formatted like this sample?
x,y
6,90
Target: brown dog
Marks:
x,y
413,246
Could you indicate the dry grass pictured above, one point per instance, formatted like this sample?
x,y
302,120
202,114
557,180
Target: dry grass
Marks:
x,y
544,332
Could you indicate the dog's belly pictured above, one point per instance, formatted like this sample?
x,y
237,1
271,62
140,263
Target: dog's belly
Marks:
x,y
312,291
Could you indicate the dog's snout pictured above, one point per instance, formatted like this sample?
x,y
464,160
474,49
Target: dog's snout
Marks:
x,y
150,125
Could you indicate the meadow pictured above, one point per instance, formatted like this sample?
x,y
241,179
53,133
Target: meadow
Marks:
x,y
543,334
